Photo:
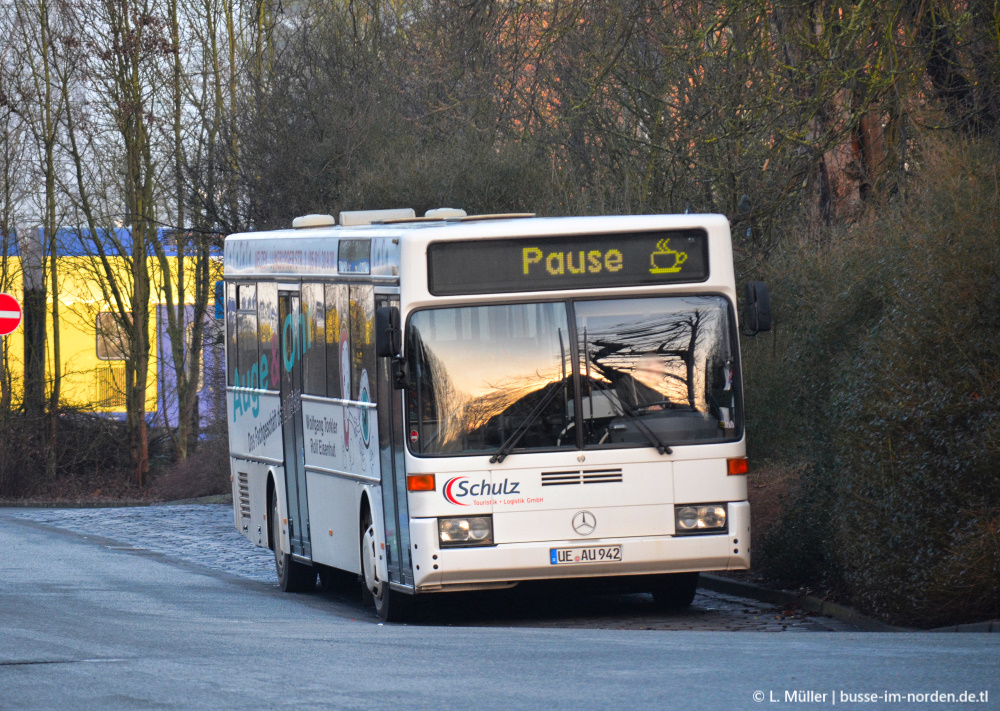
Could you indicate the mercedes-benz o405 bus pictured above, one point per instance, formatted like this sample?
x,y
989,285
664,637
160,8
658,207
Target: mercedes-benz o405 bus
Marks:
x,y
459,403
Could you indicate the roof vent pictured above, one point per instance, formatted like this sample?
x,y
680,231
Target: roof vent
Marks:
x,y
305,221
443,212
354,218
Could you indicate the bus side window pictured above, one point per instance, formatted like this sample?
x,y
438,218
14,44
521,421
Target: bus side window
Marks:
x,y
362,338
267,328
246,337
230,333
338,339
314,347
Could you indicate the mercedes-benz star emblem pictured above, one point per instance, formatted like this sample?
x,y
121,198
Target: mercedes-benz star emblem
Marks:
x,y
584,522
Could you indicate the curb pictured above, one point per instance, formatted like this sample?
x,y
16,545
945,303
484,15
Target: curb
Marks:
x,y
988,626
809,603
73,504
215,499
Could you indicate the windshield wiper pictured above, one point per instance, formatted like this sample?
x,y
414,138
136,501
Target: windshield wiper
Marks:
x,y
517,434
634,417
538,409
626,408
644,428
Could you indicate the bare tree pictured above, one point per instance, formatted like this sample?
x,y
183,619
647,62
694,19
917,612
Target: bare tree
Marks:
x,y
39,99
38,28
186,278
128,41
13,166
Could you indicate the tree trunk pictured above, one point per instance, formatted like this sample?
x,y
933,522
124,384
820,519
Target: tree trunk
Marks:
x,y
137,366
33,310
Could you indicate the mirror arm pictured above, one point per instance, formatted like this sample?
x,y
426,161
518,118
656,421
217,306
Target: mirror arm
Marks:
x,y
748,329
395,340
400,373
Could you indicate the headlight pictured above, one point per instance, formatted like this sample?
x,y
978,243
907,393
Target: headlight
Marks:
x,y
465,531
700,518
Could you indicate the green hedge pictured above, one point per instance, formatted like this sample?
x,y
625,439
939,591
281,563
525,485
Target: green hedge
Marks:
x,y
884,374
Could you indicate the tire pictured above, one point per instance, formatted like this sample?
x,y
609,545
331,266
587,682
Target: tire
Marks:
x,y
675,591
391,606
293,576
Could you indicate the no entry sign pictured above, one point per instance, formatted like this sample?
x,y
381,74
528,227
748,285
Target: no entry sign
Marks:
x,y
10,314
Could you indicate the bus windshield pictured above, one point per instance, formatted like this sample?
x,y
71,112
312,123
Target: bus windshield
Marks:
x,y
571,374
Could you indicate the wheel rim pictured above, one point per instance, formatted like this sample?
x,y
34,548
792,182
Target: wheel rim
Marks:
x,y
279,555
368,560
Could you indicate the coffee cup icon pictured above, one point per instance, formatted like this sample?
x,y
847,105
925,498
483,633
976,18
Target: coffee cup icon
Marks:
x,y
665,260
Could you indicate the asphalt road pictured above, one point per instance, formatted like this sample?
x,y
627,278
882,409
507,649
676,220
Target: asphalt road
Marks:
x,y
205,535
88,623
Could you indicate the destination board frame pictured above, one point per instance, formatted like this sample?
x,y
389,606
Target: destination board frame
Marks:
x,y
558,263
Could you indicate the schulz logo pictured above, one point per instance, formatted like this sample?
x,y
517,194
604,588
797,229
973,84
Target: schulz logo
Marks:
x,y
459,487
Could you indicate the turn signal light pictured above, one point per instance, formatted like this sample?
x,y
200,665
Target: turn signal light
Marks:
x,y
738,466
420,482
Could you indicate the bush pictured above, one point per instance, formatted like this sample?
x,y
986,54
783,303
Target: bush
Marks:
x,y
22,457
888,379
205,472
90,456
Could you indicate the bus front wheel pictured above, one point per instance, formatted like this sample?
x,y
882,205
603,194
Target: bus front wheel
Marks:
x,y
390,605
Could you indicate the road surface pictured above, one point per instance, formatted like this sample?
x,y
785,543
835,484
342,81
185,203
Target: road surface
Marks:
x,y
91,622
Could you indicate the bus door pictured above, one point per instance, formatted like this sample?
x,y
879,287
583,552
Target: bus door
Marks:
x,y
391,448
291,334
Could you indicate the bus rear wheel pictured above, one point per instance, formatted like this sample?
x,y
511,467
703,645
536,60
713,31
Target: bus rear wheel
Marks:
x,y
293,576
675,591
390,605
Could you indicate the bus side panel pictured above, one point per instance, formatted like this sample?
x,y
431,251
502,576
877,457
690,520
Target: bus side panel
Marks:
x,y
258,503
341,438
333,520
250,499
255,424
236,473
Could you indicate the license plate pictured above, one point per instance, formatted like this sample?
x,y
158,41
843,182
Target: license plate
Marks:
x,y
590,554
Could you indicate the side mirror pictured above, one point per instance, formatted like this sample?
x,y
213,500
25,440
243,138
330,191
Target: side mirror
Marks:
x,y
387,333
758,308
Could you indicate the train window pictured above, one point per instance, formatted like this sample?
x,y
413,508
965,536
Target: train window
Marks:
x,y
111,337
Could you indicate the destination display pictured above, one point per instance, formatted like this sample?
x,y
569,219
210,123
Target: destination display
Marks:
x,y
567,262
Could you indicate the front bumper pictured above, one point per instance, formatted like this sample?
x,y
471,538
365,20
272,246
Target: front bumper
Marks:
x,y
436,569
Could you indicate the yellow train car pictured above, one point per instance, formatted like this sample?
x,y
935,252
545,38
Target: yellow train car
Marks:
x,y
91,342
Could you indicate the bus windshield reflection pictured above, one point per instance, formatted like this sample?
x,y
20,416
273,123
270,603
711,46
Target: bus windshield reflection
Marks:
x,y
477,374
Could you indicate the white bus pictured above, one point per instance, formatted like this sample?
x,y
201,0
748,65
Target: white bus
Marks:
x,y
460,403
